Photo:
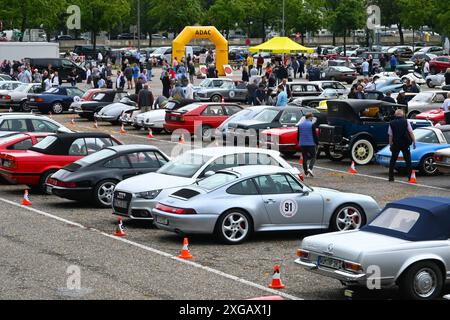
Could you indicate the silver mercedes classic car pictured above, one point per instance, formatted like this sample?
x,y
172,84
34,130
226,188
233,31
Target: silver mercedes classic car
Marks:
x,y
234,203
407,244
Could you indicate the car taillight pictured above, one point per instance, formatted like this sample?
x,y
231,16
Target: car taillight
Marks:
x,y
61,184
301,177
9,163
302,253
438,158
181,118
39,100
352,266
7,97
174,210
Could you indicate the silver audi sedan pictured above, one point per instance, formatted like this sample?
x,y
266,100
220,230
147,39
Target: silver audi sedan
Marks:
x,y
234,203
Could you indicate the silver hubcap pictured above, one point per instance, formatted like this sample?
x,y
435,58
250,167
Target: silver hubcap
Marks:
x,y
216,99
57,108
429,165
348,218
206,132
425,282
105,193
235,227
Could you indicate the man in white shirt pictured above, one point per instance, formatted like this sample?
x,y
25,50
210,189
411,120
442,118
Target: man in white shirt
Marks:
x,y
446,107
426,69
55,79
188,89
47,83
370,86
99,57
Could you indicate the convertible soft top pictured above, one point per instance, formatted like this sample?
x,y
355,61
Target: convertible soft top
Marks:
x,y
433,222
358,105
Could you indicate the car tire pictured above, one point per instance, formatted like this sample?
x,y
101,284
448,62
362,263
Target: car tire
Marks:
x,y
57,108
226,220
206,132
343,218
103,193
429,84
421,281
216,98
427,166
24,107
43,180
362,152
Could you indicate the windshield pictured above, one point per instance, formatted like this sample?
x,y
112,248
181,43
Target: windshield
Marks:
x,y
12,137
95,157
205,83
329,93
395,219
216,180
45,143
160,50
423,97
22,88
52,90
267,116
426,136
99,96
185,165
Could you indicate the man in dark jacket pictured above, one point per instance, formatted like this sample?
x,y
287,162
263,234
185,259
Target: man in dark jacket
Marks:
x,y
400,138
145,99
308,142
388,97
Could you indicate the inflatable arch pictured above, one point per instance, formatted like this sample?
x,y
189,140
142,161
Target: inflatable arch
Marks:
x,y
199,32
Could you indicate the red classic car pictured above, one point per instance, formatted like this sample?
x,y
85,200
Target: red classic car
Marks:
x,y
439,64
284,140
34,166
15,142
200,118
436,116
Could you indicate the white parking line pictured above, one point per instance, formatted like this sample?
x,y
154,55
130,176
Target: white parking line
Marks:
x,y
156,251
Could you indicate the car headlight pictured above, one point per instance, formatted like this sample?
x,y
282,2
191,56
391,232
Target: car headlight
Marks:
x,y
149,195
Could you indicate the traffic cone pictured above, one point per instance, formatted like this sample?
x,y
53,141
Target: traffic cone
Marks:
x,y
185,253
413,179
150,133
276,279
301,176
300,160
352,169
10,109
95,124
50,115
119,229
223,99
122,129
182,141
26,200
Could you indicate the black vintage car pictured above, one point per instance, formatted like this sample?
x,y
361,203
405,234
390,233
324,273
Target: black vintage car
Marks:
x,y
359,128
87,109
273,117
94,177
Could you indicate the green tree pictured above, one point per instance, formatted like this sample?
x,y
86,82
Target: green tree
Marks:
x,y
416,13
174,15
225,14
261,15
303,16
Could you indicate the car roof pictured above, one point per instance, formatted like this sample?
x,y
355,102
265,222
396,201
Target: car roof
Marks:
x,y
255,170
360,104
132,147
231,150
18,115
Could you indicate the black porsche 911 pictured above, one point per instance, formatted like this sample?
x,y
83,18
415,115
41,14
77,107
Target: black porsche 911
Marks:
x,y
94,177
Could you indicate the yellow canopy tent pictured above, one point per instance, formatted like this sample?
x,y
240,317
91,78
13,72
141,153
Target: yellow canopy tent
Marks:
x,y
281,45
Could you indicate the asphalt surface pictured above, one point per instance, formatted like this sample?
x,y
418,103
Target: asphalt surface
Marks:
x,y
40,242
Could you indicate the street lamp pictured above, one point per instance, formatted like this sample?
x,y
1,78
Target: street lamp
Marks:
x,y
139,23
283,32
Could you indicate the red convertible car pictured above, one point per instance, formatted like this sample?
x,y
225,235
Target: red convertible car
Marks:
x,y
34,166
15,142
200,118
436,116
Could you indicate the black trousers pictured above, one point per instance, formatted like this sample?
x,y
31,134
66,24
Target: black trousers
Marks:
x,y
447,118
309,156
395,150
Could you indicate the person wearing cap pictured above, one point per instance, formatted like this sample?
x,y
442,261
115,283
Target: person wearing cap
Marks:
x,y
401,136
308,142
388,97
446,107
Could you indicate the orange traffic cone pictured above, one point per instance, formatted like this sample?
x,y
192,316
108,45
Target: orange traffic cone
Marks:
x,y
300,160
276,279
352,169
10,109
119,229
50,115
26,200
223,99
413,179
185,253
182,141
122,129
301,176
150,133
95,124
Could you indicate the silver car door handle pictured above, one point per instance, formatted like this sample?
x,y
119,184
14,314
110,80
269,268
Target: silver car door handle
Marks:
x,y
269,201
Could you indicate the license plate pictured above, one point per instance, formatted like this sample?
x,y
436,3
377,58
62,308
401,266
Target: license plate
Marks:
x,y
162,220
386,159
49,189
120,203
31,99
174,118
329,262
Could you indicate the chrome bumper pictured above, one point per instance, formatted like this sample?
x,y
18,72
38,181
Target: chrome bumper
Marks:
x,y
336,274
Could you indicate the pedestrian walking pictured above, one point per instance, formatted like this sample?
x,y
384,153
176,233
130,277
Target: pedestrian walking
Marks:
x,y
191,71
308,142
282,97
166,84
259,64
393,62
401,136
447,77
145,99
446,107
128,72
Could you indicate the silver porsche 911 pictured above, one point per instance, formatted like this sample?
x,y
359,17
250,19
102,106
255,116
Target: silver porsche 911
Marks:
x,y
407,244
234,203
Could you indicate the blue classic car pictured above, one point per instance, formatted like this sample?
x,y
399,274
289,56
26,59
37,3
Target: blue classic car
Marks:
x,y
55,100
429,140
393,84
359,128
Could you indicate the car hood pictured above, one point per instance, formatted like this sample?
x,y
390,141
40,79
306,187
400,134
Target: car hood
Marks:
x,y
153,114
152,181
349,245
115,109
280,131
431,113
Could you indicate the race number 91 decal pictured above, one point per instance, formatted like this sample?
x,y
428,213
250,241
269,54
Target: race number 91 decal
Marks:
x,y
288,208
